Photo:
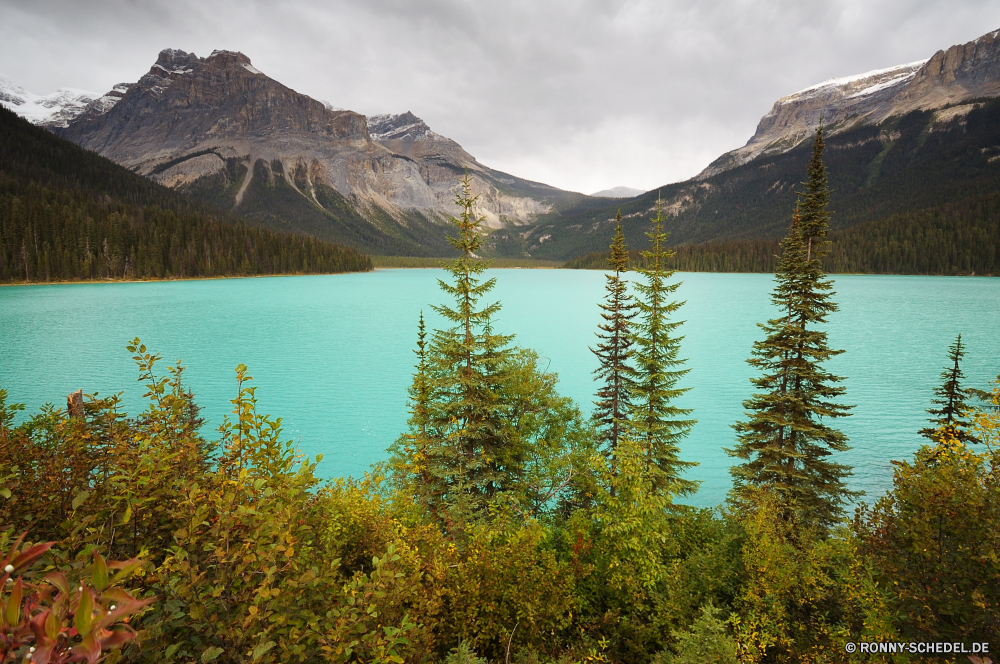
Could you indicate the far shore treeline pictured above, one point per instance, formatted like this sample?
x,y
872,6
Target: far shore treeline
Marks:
x,y
504,526
68,215
957,238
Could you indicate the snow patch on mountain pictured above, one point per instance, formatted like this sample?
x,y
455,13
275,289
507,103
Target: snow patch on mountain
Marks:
x,y
182,70
388,127
902,78
51,110
897,74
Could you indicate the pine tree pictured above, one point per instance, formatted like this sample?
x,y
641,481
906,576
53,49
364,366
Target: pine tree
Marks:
x,y
614,397
951,398
785,444
411,459
469,460
655,423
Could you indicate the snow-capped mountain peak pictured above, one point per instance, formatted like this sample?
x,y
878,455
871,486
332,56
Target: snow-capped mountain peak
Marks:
x,y
872,81
388,126
58,108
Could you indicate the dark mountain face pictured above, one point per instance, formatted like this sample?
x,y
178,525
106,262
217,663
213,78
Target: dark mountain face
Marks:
x,y
899,139
958,74
920,160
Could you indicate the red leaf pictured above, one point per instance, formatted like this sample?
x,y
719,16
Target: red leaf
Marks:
x,y
31,554
87,650
117,637
59,581
43,651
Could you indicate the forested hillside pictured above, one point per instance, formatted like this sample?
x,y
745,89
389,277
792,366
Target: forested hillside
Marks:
x,y
68,214
961,238
921,161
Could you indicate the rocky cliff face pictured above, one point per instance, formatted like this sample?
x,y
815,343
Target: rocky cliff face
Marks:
x,y
961,73
218,122
440,159
188,104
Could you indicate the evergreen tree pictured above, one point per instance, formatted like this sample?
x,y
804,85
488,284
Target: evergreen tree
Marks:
x,y
655,423
614,350
951,398
785,443
486,423
410,457
467,460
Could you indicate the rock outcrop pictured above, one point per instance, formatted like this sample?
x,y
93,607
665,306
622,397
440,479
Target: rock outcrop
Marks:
x,y
961,73
190,119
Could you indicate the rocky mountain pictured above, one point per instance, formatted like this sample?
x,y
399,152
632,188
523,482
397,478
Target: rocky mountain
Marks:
x,y
899,140
222,130
504,200
950,77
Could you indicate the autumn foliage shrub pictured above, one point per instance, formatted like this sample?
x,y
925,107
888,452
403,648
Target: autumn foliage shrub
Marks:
x,y
236,552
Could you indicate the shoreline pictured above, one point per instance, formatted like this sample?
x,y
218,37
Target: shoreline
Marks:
x,y
377,269
155,281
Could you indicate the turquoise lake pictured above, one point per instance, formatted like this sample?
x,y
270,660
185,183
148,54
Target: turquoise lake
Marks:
x,y
332,355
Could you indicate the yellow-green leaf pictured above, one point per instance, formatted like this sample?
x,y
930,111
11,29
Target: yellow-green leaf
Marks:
x,y
210,654
13,612
80,498
84,613
262,649
100,573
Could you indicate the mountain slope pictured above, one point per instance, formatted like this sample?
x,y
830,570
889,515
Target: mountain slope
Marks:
x,y
66,213
955,238
223,131
910,163
902,163
950,77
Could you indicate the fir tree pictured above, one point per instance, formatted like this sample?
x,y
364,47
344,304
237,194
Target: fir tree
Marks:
x,y
469,460
411,457
655,423
785,444
951,398
614,350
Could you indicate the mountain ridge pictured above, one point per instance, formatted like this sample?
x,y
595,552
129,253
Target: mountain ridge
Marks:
x,y
220,129
960,73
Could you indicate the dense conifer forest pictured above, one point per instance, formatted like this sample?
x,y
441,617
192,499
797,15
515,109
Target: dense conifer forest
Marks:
x,y
68,214
960,238
880,174
505,526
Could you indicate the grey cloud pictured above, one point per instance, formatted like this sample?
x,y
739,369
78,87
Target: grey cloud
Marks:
x,y
582,94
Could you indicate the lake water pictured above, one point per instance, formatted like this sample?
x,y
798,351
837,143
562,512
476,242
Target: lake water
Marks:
x,y
332,355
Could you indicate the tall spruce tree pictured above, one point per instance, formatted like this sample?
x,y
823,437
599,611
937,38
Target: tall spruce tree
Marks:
x,y
656,424
785,443
614,349
456,457
951,398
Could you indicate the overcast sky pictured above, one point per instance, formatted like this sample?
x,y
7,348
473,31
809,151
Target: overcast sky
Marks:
x,y
583,95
